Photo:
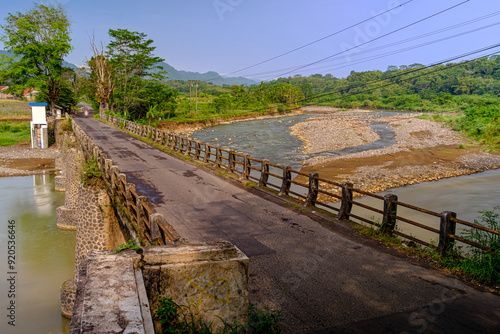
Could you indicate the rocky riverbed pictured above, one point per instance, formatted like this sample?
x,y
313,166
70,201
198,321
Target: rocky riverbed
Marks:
x,y
423,151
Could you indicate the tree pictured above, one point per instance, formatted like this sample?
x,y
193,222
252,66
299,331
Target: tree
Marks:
x,y
39,40
102,75
131,56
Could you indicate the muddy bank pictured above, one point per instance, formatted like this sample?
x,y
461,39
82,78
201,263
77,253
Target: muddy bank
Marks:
x,y
423,151
20,160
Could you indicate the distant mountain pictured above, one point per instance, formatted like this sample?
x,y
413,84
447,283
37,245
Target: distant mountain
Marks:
x,y
211,76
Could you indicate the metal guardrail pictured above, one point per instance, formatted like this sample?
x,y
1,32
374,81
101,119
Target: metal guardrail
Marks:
x,y
286,181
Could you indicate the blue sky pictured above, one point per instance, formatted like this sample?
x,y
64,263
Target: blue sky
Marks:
x,y
228,35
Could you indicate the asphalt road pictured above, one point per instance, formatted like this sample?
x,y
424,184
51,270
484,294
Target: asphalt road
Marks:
x,y
323,278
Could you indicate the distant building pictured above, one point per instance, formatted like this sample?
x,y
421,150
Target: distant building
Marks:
x,y
29,94
4,94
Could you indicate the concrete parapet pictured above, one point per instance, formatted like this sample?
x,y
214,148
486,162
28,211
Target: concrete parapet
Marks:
x,y
212,279
113,296
66,218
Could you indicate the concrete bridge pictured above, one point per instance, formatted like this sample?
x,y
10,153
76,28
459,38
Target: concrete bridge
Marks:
x,y
325,277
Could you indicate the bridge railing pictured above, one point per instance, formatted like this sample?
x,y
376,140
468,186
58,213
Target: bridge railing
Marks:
x,y
314,190
135,211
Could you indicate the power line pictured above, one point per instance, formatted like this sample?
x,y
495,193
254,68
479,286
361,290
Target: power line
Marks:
x,y
401,42
314,42
410,48
319,40
375,39
404,74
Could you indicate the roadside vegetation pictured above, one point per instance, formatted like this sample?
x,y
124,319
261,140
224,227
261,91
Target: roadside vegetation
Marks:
x,y
176,318
474,263
90,175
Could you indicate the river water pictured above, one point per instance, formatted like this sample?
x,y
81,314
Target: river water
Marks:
x,y
271,139
44,255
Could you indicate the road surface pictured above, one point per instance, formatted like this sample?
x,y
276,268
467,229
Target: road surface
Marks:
x,y
324,277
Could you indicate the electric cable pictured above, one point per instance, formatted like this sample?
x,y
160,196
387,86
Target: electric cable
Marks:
x,y
399,43
375,39
313,42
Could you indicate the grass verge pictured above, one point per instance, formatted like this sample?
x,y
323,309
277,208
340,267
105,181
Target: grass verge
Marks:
x,y
14,132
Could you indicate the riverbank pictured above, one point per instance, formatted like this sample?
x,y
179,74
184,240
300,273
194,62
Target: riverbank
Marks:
x,y
423,151
20,160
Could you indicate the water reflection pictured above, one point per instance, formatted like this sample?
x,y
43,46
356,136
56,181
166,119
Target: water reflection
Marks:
x,y
44,254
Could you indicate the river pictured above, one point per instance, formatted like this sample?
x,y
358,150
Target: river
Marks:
x,y
44,255
271,139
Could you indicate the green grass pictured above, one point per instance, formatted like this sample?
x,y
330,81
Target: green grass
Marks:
x,y
90,175
14,132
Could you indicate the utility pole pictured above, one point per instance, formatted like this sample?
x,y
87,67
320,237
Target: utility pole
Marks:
x,y
190,85
196,93
196,96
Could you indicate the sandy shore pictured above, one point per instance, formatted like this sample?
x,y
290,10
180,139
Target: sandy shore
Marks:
x,y
424,151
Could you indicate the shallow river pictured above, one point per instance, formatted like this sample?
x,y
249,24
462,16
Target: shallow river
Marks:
x,y
44,255
271,139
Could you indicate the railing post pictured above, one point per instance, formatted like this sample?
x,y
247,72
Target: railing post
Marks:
x,y
285,185
188,146
114,181
246,167
197,150
128,195
346,201
218,157
447,227
231,163
108,163
206,158
140,213
176,141
154,219
264,173
390,213
312,194
169,140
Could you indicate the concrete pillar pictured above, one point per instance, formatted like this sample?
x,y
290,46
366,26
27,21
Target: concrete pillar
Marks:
x,y
97,229
66,215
